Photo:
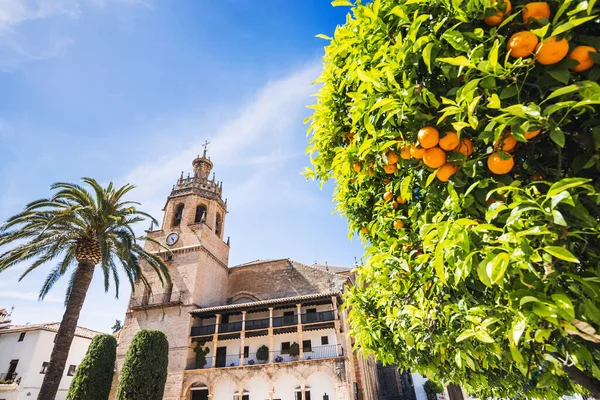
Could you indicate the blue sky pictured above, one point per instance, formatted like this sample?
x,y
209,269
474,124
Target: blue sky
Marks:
x,y
127,90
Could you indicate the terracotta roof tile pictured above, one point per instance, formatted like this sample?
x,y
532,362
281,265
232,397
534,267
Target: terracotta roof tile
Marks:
x,y
52,327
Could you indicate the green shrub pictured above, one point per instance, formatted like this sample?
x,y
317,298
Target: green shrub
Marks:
x,y
201,353
94,375
144,372
262,354
432,389
294,349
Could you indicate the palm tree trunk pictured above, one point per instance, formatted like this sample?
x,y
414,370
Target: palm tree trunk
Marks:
x,y
66,332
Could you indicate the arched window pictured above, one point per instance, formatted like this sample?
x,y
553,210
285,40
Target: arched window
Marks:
x,y
200,211
218,225
178,215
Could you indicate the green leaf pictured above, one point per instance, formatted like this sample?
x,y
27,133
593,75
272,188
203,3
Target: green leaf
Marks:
x,y
340,3
456,40
558,218
561,74
483,336
427,55
517,329
571,24
499,266
516,354
321,36
528,299
565,184
509,92
465,335
494,101
558,137
460,61
561,253
564,303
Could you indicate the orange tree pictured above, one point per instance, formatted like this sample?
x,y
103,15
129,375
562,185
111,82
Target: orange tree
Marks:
x,y
463,137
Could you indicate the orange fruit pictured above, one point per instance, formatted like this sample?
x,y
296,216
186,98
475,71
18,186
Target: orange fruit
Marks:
x,y
499,166
417,152
536,10
551,51
388,196
532,134
582,54
506,143
401,200
466,147
371,171
394,205
357,166
405,152
364,229
449,142
349,136
537,177
398,224
392,158
428,137
522,44
498,17
386,181
435,157
446,171
390,169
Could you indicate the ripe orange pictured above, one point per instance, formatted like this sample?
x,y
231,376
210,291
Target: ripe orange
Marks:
x,y
371,171
357,166
551,51
401,200
532,134
390,169
536,10
405,152
446,171
466,147
582,54
496,19
522,44
349,136
386,181
499,166
388,196
392,158
537,177
394,205
434,158
449,142
506,143
428,137
364,229
398,224
417,152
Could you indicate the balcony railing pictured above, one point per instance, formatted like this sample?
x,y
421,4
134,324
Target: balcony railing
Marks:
x,y
321,316
155,299
233,360
8,378
258,324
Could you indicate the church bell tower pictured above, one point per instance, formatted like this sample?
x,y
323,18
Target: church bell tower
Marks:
x,y
190,241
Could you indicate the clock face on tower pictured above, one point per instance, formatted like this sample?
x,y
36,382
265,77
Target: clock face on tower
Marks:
x,y
172,239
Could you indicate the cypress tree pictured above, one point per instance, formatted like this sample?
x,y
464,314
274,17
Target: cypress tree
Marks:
x,y
94,375
144,372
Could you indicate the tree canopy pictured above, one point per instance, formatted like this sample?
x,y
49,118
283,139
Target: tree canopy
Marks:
x,y
463,137
94,375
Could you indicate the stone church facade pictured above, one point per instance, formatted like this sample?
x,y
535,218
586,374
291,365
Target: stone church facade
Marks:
x,y
266,330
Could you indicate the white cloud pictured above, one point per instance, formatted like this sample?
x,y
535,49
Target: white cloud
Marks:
x,y
272,116
14,12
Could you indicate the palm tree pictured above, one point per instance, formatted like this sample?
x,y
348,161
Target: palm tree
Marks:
x,y
81,230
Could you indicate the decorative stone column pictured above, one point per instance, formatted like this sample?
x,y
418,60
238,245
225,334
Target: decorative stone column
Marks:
x,y
216,340
303,391
301,357
270,335
243,338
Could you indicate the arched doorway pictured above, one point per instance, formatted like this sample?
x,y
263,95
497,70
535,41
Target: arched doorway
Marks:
x,y
286,387
257,389
224,389
199,391
321,386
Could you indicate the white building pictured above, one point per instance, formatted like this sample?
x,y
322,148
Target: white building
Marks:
x,y
24,354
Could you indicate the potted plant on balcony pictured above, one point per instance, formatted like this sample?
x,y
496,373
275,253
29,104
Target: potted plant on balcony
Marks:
x,y
201,353
278,359
294,351
262,354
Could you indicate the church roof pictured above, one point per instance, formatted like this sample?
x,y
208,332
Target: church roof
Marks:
x,y
52,327
329,268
